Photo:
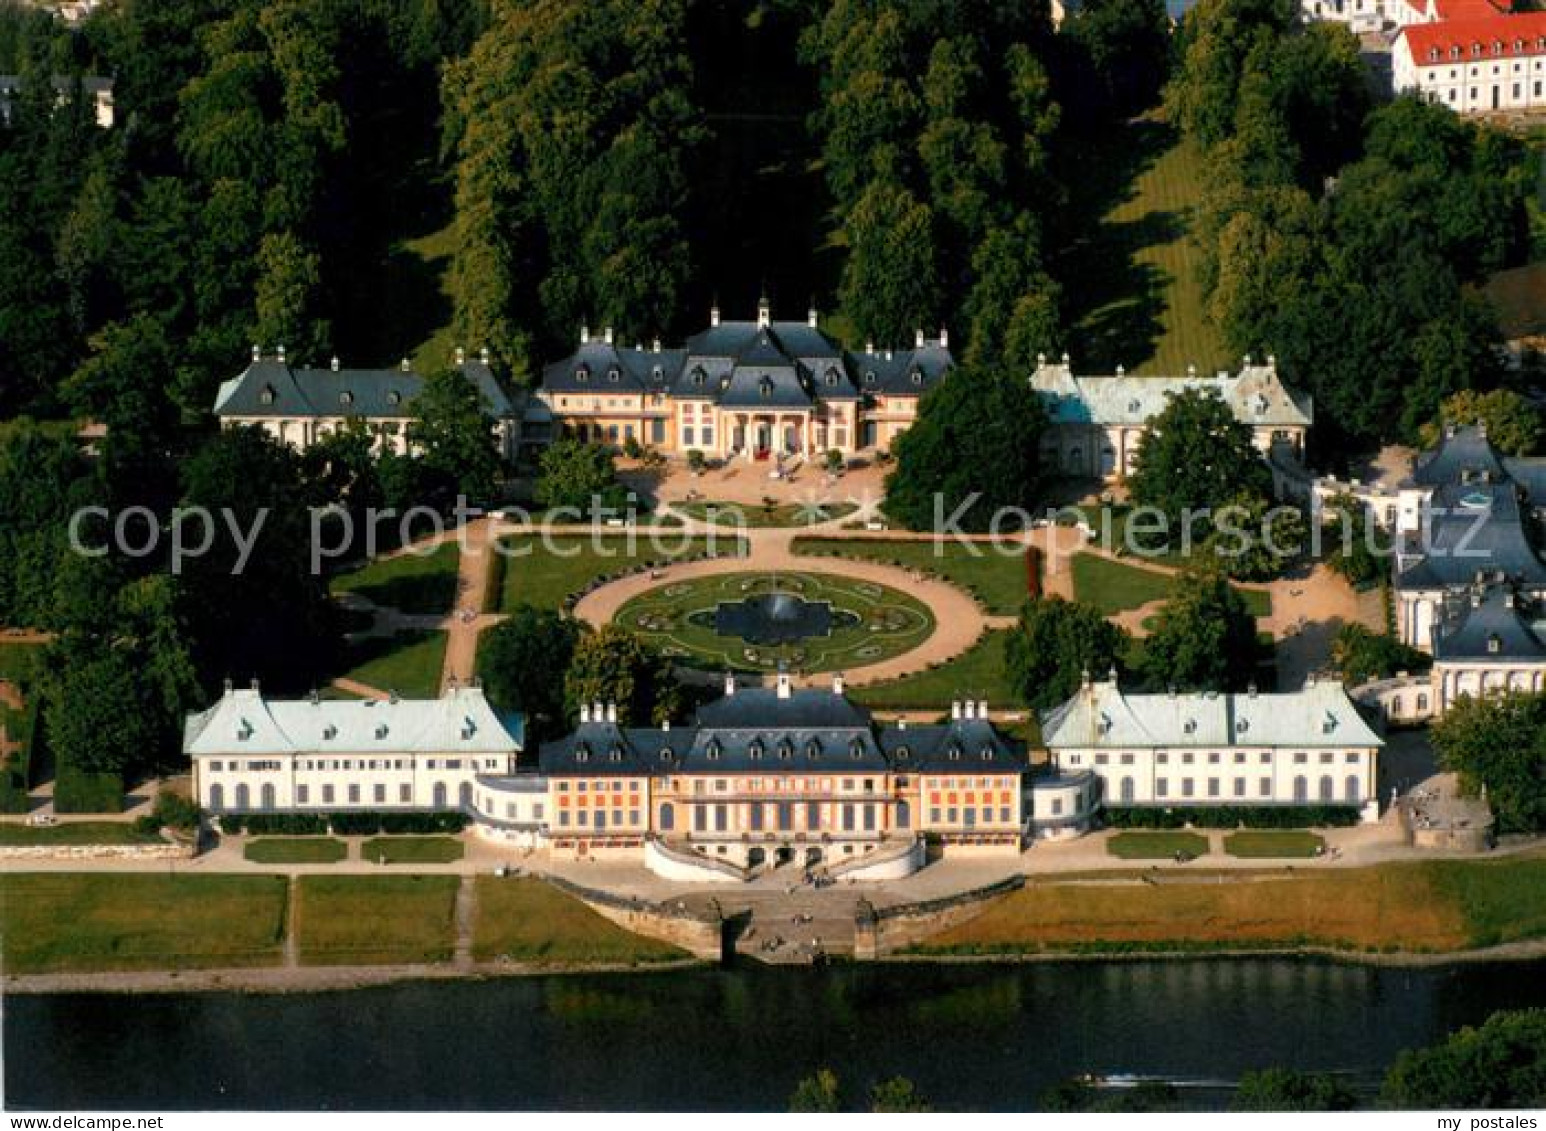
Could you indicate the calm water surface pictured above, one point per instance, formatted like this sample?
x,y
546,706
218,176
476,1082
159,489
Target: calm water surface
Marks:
x,y
972,1037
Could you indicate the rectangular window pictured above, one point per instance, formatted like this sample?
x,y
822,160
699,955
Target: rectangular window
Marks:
x,y
699,819
302,794
601,819
536,811
405,793
869,818
933,816
1057,806
354,795
1162,759
379,793
1161,787
721,818
617,816
1213,787
785,817
1186,787
1003,816
1351,759
708,437
563,818
1265,788
327,795
812,815
1239,787
950,816
848,818
689,436
756,818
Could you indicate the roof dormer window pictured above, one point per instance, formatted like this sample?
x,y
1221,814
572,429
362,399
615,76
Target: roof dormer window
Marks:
x,y
856,749
616,753
765,387
666,754
1242,725
394,397
954,752
755,750
813,750
346,397
614,374
1494,644
903,753
831,375
330,731
713,750
1433,54
698,375
658,374
582,752
869,377
381,731
1134,405
267,395
582,374
1497,47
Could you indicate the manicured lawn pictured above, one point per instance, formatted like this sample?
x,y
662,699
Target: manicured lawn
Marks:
x,y
979,672
868,622
75,832
1144,845
751,515
296,850
412,850
545,574
413,583
995,575
137,921
526,920
1114,587
1425,906
409,663
345,920
1268,843
1133,276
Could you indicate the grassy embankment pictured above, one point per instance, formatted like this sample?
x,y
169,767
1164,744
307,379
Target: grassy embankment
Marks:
x,y
375,920
525,920
1114,587
1428,906
73,922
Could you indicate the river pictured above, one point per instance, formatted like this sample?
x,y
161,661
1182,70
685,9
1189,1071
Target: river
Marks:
x,y
971,1036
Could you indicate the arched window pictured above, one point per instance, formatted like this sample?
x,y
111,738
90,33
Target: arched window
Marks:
x,y
667,817
440,795
1328,788
243,798
266,798
1301,789
464,795
1351,791
217,797
1127,791
904,815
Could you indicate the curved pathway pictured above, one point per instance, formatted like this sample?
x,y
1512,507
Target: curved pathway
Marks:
x,y
958,619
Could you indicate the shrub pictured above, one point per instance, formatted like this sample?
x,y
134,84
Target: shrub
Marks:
x,y
274,824
1232,816
76,791
176,811
399,823
147,825
355,824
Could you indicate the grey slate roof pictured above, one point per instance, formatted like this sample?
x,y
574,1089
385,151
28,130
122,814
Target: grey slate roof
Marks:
x,y
243,722
1493,624
757,730
1463,456
1474,528
270,387
1103,716
1256,395
746,365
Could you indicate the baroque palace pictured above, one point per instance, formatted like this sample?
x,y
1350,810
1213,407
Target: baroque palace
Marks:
x,y
744,390
767,777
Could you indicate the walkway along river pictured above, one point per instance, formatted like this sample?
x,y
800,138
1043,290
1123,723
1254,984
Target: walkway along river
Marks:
x,y
971,1036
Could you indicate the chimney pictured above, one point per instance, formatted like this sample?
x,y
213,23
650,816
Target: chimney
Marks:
x,y
810,317
611,712
917,339
257,352
1065,357
655,346
607,335
869,347
1121,371
461,356
785,688
955,708
837,683
281,354
665,726
729,683
598,713
1272,362
764,313
944,338
335,363
406,365
483,355
969,709
584,712
1250,689
584,334
714,315
982,709
1245,362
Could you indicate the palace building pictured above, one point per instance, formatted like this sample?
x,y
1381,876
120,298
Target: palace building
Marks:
x,y
299,405
743,390
761,778
254,754
1307,747
1097,421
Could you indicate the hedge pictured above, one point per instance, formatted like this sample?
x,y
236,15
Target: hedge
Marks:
x,y
274,824
1232,816
342,824
76,791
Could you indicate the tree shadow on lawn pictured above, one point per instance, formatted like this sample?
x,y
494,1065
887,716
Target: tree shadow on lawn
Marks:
x,y
1115,301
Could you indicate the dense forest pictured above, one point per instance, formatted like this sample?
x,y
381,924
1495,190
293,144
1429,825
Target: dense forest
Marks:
x,y
377,179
